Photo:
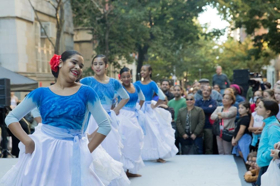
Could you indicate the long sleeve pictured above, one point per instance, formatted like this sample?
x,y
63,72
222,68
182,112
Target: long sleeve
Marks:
x,y
99,114
141,95
232,112
201,122
227,81
214,115
21,110
35,113
274,137
158,91
180,125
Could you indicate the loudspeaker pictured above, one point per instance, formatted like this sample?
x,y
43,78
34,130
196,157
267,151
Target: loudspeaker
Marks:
x,y
241,78
5,92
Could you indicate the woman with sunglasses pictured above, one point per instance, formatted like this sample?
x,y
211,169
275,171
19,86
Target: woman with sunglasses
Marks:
x,y
190,124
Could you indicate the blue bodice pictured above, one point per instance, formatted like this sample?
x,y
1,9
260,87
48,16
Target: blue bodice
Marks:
x,y
149,90
106,92
69,112
134,97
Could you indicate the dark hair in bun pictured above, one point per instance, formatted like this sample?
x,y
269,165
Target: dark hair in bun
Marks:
x,y
124,69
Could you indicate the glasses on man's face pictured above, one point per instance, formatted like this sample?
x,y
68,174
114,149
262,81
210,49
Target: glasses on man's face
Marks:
x,y
189,99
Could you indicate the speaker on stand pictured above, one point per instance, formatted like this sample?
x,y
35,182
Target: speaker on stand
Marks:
x,y
5,101
241,78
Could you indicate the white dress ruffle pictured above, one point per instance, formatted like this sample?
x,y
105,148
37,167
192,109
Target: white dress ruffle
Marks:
x,y
159,140
107,157
132,139
51,163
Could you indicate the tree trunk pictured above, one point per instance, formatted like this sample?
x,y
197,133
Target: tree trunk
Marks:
x,y
142,51
59,26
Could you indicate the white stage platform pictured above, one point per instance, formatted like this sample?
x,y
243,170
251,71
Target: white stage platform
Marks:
x,y
196,170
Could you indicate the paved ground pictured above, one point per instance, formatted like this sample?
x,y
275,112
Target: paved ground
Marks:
x,y
200,170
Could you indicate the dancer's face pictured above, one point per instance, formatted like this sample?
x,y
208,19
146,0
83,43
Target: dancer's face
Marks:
x,y
99,67
126,78
145,72
71,69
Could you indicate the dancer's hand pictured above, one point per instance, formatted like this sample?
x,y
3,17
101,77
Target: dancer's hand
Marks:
x,y
153,106
116,111
29,146
274,154
185,136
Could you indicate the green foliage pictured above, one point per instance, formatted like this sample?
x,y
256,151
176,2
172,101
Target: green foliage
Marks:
x,y
255,15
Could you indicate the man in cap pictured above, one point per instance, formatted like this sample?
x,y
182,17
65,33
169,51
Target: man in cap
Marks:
x,y
215,95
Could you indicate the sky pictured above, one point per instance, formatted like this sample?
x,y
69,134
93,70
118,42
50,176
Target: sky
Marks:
x,y
210,16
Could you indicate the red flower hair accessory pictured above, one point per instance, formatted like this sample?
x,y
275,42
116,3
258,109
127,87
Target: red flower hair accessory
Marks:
x,y
54,62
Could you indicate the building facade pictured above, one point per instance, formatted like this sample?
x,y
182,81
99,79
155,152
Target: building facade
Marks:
x,y
24,45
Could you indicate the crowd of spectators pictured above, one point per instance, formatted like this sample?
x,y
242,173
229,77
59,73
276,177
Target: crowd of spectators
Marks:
x,y
248,125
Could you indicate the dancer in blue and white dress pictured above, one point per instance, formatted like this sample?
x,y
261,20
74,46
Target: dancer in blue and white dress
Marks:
x,y
159,141
130,129
58,152
107,89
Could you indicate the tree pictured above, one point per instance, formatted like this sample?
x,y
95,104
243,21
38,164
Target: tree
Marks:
x,y
236,55
254,15
58,5
156,29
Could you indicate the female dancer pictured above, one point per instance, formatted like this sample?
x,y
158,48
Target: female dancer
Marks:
x,y
58,152
133,137
106,88
159,141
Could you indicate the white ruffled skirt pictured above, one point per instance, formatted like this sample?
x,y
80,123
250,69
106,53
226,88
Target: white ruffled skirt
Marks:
x,y
107,169
61,157
107,157
112,143
132,139
159,140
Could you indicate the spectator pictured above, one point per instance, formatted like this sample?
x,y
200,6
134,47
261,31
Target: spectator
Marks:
x,y
241,138
227,114
165,89
208,105
257,94
253,100
220,79
217,88
256,127
14,100
277,97
270,135
214,94
251,176
237,93
268,94
190,123
172,90
177,103
267,85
